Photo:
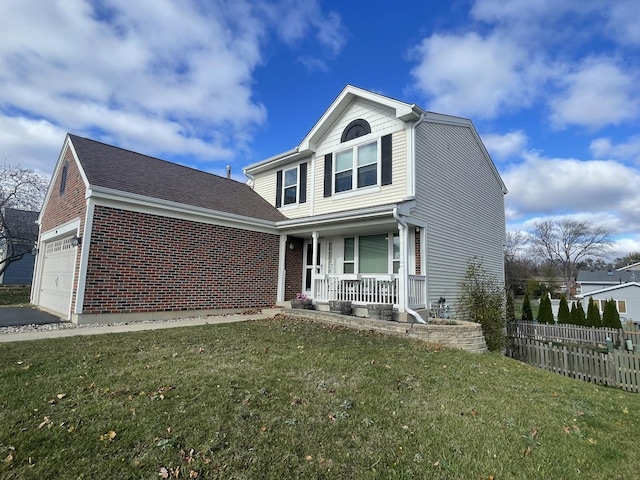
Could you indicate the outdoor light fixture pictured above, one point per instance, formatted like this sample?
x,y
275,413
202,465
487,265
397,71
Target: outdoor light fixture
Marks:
x,y
34,250
75,240
291,246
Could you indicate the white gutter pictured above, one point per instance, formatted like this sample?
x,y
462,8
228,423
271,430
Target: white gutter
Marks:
x,y
404,261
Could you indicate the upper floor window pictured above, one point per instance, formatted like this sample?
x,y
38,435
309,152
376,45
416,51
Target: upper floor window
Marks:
x,y
291,185
63,177
356,167
359,166
290,192
355,129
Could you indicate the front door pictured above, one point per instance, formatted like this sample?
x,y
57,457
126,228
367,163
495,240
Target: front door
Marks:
x,y
309,264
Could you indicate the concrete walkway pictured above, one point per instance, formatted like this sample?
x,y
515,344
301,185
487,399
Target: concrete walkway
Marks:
x,y
69,331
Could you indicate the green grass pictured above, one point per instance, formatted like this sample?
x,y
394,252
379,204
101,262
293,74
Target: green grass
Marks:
x,y
14,296
289,399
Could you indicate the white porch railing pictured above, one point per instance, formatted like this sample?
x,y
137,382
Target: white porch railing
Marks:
x,y
368,289
416,288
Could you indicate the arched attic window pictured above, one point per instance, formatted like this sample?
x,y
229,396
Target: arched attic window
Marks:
x,y
355,129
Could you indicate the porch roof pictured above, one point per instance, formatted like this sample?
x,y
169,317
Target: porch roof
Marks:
x,y
348,220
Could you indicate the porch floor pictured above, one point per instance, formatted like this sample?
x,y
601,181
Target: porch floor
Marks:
x,y
463,335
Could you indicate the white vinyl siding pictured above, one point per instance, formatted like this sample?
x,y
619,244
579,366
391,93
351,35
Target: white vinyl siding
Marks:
x,y
460,196
379,118
265,186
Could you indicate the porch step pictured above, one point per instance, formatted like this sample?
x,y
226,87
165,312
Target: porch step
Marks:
x,y
465,336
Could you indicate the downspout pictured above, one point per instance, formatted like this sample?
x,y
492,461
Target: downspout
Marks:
x,y
404,260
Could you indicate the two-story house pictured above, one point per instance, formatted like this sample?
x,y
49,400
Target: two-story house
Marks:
x,y
385,202
381,202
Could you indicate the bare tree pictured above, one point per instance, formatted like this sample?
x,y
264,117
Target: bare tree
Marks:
x,y
22,192
517,261
566,242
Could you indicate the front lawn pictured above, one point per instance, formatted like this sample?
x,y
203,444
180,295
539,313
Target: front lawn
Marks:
x,y
290,399
14,295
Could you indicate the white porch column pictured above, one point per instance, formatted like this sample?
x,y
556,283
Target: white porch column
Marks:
x,y
282,271
314,262
402,269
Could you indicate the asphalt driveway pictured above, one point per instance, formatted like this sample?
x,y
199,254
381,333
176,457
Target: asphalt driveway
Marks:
x,y
19,316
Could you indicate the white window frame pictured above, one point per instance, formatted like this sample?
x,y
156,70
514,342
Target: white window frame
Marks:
x,y
296,185
356,254
355,149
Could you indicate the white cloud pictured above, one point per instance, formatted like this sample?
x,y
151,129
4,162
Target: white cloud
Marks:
x,y
599,92
624,21
624,151
473,75
541,187
30,143
172,77
505,146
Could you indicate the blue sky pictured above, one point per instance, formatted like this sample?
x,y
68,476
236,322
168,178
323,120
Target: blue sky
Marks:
x,y
551,86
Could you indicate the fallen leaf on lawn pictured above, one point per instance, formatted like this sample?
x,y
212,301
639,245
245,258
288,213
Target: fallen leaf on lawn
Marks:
x,y
263,429
332,418
437,464
61,396
625,410
527,451
592,441
474,412
46,421
308,458
566,429
164,473
9,458
110,435
193,474
200,350
71,429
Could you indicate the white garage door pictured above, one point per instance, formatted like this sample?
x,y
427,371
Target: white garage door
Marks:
x,y
57,276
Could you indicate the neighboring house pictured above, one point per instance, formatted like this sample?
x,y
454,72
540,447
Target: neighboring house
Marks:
x,y
17,241
593,280
626,296
382,202
385,202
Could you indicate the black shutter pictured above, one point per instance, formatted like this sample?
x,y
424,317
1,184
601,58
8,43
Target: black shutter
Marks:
x,y
328,173
386,161
278,188
303,183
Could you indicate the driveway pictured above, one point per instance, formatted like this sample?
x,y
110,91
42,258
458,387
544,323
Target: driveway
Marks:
x,y
19,316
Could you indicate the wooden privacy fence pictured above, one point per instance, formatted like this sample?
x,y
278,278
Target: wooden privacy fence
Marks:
x,y
616,369
566,333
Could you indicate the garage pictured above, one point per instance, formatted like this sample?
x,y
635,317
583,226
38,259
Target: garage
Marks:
x,y
57,276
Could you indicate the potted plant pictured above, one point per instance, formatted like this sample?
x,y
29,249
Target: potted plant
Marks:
x,y
340,306
302,301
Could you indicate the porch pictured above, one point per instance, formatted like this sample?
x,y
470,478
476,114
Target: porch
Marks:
x,y
362,289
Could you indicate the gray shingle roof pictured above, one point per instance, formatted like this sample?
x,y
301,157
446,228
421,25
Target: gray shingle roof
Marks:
x,y
123,170
603,276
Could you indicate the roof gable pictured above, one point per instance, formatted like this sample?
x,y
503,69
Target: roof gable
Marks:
x,y
122,170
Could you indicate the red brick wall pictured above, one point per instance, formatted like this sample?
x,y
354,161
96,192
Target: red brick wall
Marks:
x,y
69,205
293,265
66,206
144,263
